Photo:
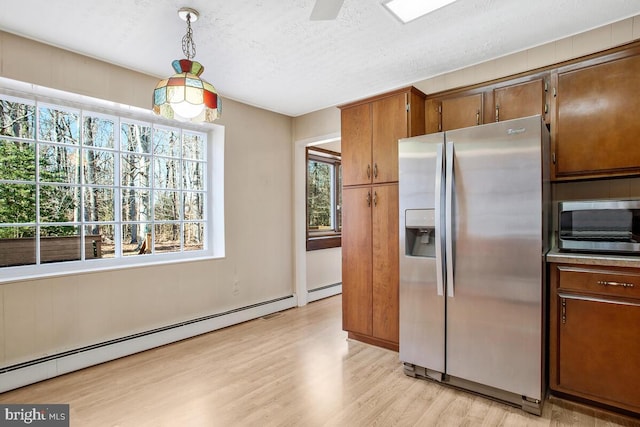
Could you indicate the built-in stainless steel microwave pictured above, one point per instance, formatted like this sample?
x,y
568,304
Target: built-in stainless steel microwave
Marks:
x,y
599,226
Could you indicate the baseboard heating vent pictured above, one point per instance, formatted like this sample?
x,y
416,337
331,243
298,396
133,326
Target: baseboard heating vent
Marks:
x,y
324,291
35,370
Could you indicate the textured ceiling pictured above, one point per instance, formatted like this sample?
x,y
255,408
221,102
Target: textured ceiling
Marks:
x,y
267,53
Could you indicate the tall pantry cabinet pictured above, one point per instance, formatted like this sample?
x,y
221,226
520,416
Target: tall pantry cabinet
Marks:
x,y
370,132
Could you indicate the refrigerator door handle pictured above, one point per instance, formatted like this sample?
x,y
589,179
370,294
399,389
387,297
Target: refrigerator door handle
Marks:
x,y
439,222
448,218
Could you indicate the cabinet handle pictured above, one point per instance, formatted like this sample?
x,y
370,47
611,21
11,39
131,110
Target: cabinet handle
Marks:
x,y
375,198
369,198
368,171
609,283
375,170
497,113
564,311
477,117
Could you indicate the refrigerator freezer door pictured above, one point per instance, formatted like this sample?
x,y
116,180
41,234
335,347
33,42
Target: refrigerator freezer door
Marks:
x,y
494,319
422,329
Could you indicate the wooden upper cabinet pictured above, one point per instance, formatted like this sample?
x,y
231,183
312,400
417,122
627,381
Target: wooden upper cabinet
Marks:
x,y
356,149
370,133
461,112
390,123
493,102
520,100
597,127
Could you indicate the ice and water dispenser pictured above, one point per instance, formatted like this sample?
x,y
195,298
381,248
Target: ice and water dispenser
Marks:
x,y
420,232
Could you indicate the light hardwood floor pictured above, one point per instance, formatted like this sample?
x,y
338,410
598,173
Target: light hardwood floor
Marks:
x,y
294,368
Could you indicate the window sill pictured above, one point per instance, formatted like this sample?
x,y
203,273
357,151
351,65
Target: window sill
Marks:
x,y
26,272
323,242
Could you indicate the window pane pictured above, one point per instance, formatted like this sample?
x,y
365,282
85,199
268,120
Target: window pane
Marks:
x,y
98,167
105,248
167,238
319,197
59,243
136,239
193,175
99,132
57,125
17,119
166,142
193,206
166,205
193,146
59,164
59,203
99,204
17,203
17,246
17,160
136,205
135,138
194,236
136,170
166,173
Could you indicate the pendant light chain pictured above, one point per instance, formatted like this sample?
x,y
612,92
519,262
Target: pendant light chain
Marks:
x,y
188,45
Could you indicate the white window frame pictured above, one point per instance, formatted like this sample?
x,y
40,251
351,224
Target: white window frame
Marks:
x,y
213,187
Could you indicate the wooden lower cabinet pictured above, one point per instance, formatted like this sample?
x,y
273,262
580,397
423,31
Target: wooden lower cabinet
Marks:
x,y
370,264
595,334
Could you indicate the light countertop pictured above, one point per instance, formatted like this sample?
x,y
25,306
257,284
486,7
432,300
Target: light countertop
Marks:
x,y
555,255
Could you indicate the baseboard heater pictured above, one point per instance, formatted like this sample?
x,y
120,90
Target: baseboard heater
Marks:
x,y
324,292
25,373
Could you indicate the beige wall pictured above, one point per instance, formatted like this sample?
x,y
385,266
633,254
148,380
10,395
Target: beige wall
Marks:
x,y
50,315
601,38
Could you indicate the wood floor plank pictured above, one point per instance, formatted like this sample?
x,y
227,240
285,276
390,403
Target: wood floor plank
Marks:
x,y
296,368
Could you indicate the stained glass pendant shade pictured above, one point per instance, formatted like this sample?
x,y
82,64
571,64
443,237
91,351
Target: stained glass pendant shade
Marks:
x,y
185,96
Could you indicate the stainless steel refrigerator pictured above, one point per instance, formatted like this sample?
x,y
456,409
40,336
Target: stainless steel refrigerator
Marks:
x,y
474,230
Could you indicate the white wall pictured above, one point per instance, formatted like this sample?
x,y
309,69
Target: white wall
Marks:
x,y
324,268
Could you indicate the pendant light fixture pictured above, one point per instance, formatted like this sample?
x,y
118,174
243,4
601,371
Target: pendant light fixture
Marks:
x,y
185,96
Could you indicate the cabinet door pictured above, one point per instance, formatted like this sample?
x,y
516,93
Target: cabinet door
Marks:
x,y
461,112
433,119
385,262
520,100
356,260
389,124
599,348
597,124
356,145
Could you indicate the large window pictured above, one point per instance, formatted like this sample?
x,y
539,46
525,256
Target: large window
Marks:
x,y
77,185
324,199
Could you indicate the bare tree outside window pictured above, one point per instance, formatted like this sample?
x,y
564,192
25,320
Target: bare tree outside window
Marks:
x,y
77,185
324,198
